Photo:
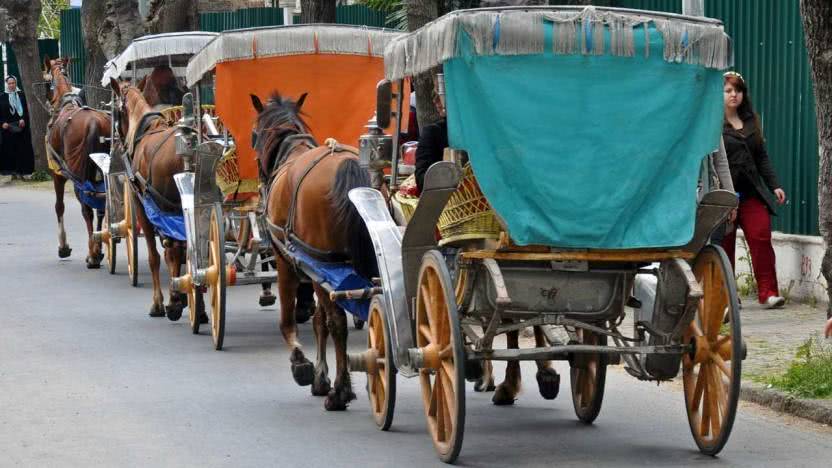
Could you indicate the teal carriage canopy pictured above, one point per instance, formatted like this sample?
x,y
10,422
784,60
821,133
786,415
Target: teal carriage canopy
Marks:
x,y
585,128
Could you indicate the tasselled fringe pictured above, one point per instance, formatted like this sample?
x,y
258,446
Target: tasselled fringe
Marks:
x,y
155,50
289,40
584,31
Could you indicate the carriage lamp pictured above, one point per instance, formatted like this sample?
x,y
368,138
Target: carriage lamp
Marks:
x,y
375,151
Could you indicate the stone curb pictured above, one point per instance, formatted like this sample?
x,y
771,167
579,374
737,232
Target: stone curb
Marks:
x,y
812,410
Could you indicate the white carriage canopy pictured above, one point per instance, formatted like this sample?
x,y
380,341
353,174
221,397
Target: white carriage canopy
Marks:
x,y
585,127
144,53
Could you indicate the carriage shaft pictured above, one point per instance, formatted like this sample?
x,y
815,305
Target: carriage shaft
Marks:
x,y
563,352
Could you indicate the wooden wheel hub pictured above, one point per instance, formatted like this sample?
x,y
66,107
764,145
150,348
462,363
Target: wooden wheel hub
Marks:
x,y
430,356
701,351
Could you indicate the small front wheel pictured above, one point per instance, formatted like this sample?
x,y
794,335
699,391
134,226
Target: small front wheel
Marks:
x,y
588,376
215,276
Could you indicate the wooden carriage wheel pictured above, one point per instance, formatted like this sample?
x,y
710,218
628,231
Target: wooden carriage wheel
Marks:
x,y
110,245
132,235
442,375
588,376
711,370
381,381
196,302
215,277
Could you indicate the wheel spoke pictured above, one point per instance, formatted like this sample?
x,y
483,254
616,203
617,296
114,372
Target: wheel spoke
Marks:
x,y
428,311
721,364
440,410
448,390
424,330
704,424
714,392
446,352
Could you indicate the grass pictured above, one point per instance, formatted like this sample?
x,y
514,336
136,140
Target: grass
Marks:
x,y
810,373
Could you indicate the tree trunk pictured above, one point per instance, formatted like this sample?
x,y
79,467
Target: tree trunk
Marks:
x,y
93,17
119,27
172,16
22,23
817,27
317,11
419,13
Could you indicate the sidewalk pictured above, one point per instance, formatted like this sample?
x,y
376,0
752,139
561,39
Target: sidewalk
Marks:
x,y
772,338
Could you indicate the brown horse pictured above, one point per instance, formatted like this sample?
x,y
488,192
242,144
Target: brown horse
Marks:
x,y
151,145
74,132
160,87
308,207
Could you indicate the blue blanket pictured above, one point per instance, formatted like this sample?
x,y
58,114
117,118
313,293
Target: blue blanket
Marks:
x,y
342,277
87,191
170,225
586,151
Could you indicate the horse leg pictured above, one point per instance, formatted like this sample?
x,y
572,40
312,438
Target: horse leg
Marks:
x,y
157,308
486,382
58,182
267,298
92,260
548,379
507,391
176,300
341,394
287,285
321,385
99,222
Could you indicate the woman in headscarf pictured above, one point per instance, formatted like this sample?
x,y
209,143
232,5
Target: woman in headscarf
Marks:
x,y
16,155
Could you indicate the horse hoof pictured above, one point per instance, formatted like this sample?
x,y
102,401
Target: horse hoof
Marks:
x,y
503,396
548,381
473,370
203,318
482,386
174,312
93,264
64,252
357,323
338,400
157,310
267,299
321,386
302,370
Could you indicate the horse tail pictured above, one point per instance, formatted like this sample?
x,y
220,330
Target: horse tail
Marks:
x,y
92,144
351,175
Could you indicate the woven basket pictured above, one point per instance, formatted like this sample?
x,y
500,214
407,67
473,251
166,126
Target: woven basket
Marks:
x,y
227,175
468,215
174,113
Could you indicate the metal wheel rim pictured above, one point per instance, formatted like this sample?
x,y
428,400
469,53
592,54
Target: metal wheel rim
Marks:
x,y
438,332
711,375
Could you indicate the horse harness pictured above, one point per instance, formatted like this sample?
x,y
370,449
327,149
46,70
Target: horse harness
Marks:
x,y
290,240
57,158
141,184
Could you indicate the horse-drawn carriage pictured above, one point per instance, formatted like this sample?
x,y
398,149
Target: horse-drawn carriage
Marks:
x,y
156,64
224,192
585,130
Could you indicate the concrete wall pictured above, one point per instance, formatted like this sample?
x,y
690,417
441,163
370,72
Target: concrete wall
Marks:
x,y
798,265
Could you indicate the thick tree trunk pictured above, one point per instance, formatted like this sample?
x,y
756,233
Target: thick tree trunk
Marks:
x,y
817,26
22,23
171,16
93,17
317,11
119,27
419,13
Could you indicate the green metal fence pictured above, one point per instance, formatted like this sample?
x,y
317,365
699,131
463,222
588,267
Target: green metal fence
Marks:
x,y
72,43
243,18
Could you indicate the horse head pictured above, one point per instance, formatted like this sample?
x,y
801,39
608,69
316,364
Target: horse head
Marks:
x,y
55,72
277,120
129,106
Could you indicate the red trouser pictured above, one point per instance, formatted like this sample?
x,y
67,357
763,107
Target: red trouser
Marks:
x,y
754,219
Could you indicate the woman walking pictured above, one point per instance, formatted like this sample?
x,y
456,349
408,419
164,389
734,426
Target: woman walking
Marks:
x,y
756,185
16,154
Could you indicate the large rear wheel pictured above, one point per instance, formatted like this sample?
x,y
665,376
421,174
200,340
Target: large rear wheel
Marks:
x,y
442,375
711,370
381,381
132,235
215,276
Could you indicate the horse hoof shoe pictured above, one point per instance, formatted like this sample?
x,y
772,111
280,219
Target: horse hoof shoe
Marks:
x,y
303,373
267,300
173,313
64,252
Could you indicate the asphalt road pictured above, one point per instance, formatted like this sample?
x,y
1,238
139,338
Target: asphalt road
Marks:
x,y
88,379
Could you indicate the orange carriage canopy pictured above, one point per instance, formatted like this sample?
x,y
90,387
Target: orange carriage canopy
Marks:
x,y
338,66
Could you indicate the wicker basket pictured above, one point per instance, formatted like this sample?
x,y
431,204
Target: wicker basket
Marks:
x,y
468,214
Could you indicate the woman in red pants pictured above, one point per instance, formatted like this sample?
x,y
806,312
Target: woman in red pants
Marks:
x,y
756,185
